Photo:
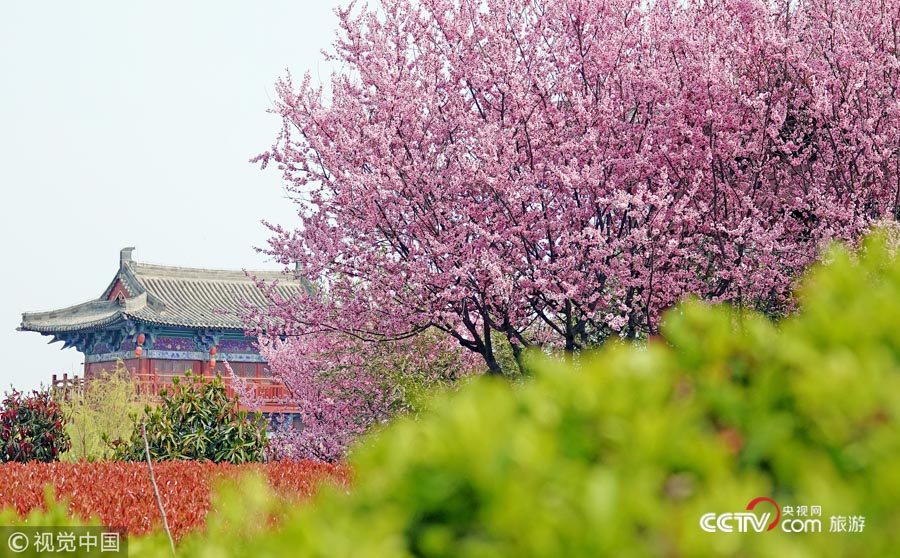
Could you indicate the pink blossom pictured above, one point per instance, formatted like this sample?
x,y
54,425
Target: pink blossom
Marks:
x,y
552,173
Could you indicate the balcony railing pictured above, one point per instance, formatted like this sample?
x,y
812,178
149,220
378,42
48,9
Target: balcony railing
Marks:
x,y
267,389
67,386
272,393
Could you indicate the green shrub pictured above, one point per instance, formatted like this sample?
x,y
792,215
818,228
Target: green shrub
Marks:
x,y
32,428
621,453
419,370
195,420
102,408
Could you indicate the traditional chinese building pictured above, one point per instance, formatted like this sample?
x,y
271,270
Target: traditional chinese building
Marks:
x,y
162,321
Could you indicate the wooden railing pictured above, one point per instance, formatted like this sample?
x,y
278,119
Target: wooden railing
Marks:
x,y
267,389
272,393
67,386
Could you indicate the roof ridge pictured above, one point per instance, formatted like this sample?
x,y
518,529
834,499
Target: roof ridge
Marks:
x,y
94,303
172,295
143,268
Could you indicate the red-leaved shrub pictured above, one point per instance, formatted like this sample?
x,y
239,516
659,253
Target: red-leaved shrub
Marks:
x,y
31,428
120,494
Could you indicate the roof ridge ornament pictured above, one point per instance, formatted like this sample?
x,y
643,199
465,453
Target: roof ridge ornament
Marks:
x,y
125,256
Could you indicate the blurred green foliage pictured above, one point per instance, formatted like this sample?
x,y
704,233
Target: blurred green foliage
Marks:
x,y
195,420
621,452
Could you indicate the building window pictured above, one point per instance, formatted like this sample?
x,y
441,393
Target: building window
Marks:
x,y
175,367
284,422
242,369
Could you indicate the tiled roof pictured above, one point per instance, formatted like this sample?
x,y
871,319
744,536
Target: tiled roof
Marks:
x,y
176,296
81,316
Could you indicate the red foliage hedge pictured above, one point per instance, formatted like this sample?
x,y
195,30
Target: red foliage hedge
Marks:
x,y
120,494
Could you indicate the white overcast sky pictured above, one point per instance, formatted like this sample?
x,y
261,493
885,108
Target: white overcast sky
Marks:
x,y
131,124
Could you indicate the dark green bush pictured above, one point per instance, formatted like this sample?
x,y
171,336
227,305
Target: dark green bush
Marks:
x,y
32,428
195,420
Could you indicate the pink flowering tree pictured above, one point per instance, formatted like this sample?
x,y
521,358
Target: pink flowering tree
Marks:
x,y
338,397
343,389
543,173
